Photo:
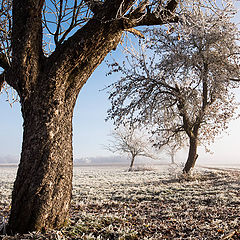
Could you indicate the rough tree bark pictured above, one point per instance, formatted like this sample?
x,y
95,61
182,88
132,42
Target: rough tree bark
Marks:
x,y
192,132
192,154
42,190
48,89
193,135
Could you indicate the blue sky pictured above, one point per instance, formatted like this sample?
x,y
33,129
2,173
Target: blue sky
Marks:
x,y
91,131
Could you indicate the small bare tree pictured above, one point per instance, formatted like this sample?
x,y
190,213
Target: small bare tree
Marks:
x,y
171,150
183,87
131,141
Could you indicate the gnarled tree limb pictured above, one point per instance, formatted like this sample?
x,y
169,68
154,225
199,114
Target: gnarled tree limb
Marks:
x,y
115,17
141,17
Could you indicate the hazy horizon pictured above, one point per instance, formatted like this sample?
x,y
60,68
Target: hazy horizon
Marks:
x,y
124,160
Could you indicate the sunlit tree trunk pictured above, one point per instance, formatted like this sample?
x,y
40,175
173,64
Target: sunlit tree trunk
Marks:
x,y
42,190
48,89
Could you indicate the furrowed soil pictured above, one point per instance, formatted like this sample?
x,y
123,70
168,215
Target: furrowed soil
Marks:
x,y
148,203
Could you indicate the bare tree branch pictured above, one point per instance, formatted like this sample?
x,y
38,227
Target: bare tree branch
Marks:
x,y
135,32
56,34
235,79
142,16
118,17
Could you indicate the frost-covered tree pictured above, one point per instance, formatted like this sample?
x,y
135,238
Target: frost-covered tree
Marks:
x,y
180,82
131,141
171,149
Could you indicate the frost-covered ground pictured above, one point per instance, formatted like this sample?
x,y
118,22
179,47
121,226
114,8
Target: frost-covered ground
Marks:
x,y
154,203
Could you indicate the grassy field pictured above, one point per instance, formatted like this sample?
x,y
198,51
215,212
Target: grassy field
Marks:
x,y
148,203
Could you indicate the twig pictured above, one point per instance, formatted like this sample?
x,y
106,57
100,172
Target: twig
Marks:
x,y
229,235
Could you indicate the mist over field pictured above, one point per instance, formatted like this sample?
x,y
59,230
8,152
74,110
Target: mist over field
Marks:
x,y
90,160
9,159
205,160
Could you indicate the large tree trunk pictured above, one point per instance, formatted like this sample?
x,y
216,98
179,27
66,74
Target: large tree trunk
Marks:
x,y
42,190
48,88
192,154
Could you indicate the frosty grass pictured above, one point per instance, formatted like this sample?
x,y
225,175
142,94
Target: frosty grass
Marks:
x,y
148,203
